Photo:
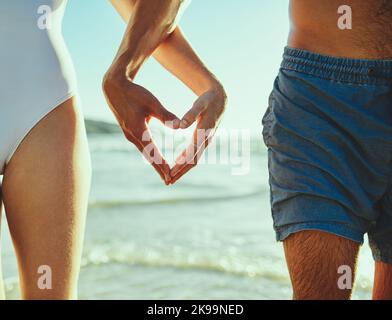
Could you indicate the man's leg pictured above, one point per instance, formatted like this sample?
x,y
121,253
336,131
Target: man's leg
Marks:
x,y
381,245
380,242
382,289
314,259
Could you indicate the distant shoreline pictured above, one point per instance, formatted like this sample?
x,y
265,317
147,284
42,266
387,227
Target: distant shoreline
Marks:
x,y
101,127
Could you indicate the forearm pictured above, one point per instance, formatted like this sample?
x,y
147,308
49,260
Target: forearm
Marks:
x,y
175,54
150,23
178,57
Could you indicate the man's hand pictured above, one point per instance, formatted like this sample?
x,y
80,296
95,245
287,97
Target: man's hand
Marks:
x,y
151,31
133,107
206,111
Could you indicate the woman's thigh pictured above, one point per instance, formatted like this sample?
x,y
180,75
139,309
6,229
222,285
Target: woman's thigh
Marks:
x,y
45,192
2,294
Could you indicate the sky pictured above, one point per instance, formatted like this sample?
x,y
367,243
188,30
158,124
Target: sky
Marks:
x,y
240,41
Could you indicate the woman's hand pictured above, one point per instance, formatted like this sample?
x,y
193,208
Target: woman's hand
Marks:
x,y
207,112
133,107
152,30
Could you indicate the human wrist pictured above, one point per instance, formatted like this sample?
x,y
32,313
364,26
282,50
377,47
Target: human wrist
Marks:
x,y
217,88
114,79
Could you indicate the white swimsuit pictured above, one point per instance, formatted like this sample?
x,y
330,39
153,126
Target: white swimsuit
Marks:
x,y
36,72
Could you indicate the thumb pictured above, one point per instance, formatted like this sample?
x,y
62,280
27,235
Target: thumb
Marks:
x,y
168,118
191,116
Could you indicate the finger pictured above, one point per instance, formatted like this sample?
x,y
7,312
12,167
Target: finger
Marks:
x,y
183,166
191,116
188,159
153,155
185,162
151,152
181,173
154,108
180,169
191,155
168,118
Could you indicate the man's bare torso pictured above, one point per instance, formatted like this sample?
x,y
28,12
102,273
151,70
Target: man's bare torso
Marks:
x,y
314,27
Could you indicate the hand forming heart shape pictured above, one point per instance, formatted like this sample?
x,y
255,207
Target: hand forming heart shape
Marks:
x,y
134,106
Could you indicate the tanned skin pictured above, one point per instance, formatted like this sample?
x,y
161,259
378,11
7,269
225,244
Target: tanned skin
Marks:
x,y
152,31
2,292
313,257
47,227
369,38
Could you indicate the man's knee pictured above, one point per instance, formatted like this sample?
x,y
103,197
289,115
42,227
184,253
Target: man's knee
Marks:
x,y
321,265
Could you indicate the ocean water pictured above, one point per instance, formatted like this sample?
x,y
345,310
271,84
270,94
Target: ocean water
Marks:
x,y
208,237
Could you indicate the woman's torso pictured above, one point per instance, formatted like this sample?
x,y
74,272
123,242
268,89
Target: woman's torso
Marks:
x,y
34,61
314,27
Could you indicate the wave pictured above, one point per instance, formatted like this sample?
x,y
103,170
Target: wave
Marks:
x,y
99,127
151,202
153,258
186,259
219,260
